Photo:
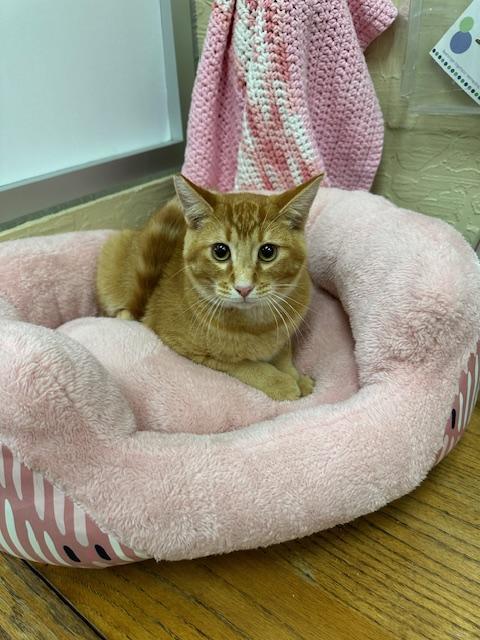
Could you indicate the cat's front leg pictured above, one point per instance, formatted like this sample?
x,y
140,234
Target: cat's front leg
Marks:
x,y
283,362
276,384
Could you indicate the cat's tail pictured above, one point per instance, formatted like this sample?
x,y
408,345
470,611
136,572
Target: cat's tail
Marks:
x,y
155,245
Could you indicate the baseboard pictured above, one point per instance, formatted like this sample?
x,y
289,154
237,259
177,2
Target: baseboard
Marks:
x,y
125,209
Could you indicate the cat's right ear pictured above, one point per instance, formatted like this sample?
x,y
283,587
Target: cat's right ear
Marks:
x,y
193,200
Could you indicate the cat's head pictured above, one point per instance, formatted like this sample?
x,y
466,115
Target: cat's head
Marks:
x,y
245,249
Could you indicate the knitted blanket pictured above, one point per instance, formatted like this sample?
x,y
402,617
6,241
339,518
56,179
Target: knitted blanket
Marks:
x,y
283,93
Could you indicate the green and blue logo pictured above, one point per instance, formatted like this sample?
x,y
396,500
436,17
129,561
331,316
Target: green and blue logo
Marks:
x,y
462,40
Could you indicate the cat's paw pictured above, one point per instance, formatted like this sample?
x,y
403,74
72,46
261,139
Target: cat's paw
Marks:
x,y
283,387
306,385
124,314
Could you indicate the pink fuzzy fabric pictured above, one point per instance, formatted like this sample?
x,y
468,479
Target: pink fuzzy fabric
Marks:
x,y
283,93
149,444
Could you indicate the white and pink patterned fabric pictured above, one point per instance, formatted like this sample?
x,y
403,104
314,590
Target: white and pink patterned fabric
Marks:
x,y
38,522
137,452
283,93
463,406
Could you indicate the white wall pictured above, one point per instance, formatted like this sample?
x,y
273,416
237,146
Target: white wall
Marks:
x,y
81,81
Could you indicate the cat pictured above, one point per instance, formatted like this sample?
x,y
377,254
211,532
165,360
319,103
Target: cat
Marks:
x,y
221,278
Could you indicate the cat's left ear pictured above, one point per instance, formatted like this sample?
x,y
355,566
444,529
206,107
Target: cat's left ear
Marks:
x,y
194,200
296,203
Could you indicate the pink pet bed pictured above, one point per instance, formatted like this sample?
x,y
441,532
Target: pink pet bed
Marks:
x,y
115,449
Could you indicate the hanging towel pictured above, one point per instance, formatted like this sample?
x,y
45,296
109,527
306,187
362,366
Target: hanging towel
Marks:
x,y
283,93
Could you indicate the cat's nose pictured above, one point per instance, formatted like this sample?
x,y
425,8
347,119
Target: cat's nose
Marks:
x,y
244,291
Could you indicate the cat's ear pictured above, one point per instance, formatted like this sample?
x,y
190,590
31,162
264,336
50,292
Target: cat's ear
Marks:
x,y
296,203
194,201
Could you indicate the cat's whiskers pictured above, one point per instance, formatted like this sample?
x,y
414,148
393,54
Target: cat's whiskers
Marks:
x,y
176,273
274,316
204,311
294,300
198,303
202,317
209,317
290,285
303,306
279,311
208,314
296,328
216,307
296,325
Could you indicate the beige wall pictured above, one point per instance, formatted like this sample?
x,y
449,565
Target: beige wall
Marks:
x,y
430,163
128,208
202,13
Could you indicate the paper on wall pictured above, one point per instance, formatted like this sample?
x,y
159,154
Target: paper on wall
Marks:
x,y
458,51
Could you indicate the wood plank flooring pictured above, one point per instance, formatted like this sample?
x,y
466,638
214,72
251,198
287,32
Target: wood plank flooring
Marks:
x,y
30,609
408,572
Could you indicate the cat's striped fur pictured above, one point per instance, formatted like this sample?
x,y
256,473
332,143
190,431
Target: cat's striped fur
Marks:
x,y
168,276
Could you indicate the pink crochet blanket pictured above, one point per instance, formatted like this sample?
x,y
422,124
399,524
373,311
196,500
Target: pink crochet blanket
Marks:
x,y
283,93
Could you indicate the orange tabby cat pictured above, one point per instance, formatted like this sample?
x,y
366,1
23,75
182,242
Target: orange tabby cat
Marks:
x,y
221,278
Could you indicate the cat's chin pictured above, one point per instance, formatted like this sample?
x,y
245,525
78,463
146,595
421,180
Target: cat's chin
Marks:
x,y
243,305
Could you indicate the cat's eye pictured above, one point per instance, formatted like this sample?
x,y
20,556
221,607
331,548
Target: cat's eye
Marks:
x,y
267,252
221,252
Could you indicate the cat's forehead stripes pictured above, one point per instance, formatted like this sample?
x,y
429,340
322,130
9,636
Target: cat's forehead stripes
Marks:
x,y
244,218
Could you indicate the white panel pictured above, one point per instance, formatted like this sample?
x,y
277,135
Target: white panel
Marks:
x,y
81,81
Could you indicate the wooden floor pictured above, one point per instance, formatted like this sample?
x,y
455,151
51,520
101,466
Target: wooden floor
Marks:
x,y
410,571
